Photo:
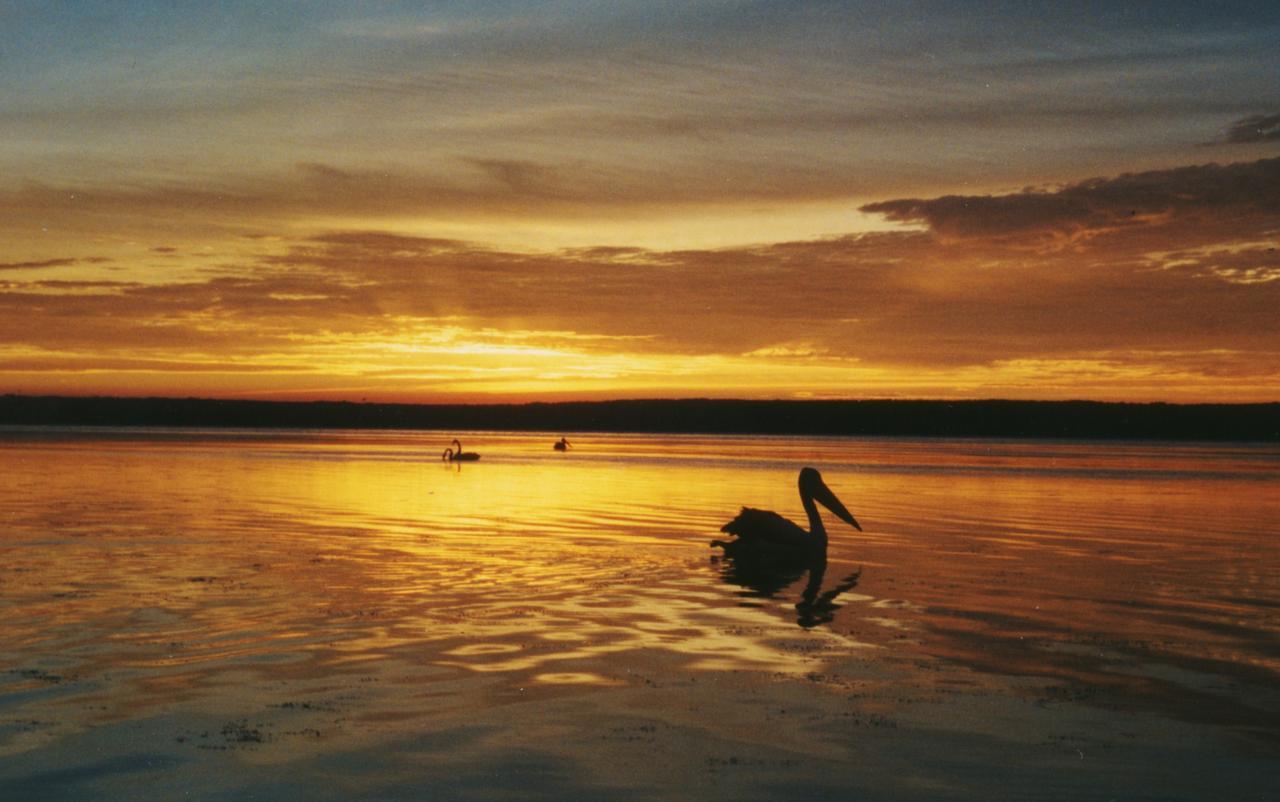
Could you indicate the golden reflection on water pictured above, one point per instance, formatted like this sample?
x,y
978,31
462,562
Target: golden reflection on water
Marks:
x,y
144,571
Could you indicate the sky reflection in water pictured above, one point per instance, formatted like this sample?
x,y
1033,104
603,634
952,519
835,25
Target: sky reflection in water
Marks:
x,y
146,572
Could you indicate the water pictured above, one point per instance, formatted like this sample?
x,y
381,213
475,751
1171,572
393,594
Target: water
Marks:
x,y
342,615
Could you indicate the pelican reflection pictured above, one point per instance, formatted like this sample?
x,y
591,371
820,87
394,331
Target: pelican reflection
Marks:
x,y
765,578
819,608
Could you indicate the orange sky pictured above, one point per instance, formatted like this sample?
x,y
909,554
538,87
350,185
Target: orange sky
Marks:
x,y
514,202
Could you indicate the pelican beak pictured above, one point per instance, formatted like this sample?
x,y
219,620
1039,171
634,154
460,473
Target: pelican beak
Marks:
x,y
823,495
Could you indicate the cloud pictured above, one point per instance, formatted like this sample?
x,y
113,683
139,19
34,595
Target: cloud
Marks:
x,y
1258,128
461,188
1198,196
522,177
95,363
1169,275
37,264
788,351
485,114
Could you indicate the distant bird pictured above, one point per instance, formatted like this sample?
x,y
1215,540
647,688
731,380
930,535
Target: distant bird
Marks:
x,y
458,455
562,445
766,533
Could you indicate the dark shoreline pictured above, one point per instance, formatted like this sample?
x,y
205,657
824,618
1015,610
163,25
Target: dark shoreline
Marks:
x,y
989,418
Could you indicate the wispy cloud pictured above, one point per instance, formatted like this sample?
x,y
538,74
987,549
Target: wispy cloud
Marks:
x,y
1257,128
395,110
36,264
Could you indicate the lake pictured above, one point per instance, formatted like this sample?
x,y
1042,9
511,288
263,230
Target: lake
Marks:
x,y
341,615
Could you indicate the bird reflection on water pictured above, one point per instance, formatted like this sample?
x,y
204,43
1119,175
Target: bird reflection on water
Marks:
x,y
766,578
819,608
770,553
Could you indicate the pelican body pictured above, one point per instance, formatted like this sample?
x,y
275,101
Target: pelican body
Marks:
x,y
458,455
766,532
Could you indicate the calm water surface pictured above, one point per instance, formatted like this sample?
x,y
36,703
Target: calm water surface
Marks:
x,y
342,615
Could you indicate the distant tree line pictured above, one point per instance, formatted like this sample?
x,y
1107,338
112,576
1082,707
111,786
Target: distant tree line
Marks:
x,y
995,418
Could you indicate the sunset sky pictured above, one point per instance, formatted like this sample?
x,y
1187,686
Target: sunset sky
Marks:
x,y
498,201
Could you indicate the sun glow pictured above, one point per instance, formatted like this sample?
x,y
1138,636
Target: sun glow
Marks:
x,y
397,205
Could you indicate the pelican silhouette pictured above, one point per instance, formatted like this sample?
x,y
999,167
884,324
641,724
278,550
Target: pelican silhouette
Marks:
x,y
561,445
458,455
763,532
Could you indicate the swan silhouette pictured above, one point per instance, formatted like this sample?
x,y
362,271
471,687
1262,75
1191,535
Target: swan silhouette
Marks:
x,y
766,533
458,455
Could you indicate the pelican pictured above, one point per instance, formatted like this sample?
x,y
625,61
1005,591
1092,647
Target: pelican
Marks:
x,y
458,455
561,445
766,532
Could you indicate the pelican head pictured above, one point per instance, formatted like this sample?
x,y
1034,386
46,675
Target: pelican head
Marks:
x,y
812,487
